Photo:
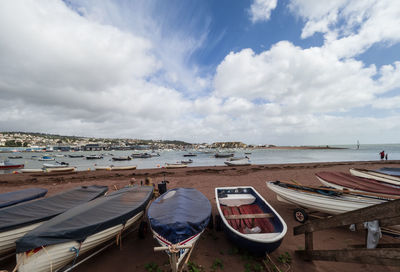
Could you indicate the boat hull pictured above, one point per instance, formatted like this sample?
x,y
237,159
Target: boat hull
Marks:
x,y
8,238
363,173
61,254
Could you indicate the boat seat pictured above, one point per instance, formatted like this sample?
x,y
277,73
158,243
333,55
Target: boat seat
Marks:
x,y
249,216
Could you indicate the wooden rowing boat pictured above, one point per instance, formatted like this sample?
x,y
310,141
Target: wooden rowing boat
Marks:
x,y
66,237
249,220
177,219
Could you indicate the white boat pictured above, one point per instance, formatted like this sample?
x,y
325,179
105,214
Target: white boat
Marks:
x,y
55,165
175,165
322,199
13,226
46,158
55,244
242,162
60,169
371,174
127,167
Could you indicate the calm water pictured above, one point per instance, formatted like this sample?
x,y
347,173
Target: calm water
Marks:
x,y
257,156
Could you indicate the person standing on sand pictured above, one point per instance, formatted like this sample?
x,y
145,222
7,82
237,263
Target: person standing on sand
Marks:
x,y
382,153
386,156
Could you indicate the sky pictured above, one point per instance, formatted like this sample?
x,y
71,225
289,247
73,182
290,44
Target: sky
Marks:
x,y
293,72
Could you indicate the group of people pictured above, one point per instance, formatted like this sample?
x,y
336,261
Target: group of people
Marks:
x,y
383,155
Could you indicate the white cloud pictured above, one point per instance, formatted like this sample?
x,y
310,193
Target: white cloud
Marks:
x,y
260,10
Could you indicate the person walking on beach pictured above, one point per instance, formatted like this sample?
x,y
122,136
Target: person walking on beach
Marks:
x,y
382,153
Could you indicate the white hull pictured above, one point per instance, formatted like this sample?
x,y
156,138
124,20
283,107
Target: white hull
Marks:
x,y
182,252
322,203
54,257
61,169
238,163
117,168
8,238
168,165
376,176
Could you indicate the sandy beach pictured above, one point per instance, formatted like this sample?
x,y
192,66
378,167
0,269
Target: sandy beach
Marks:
x,y
213,246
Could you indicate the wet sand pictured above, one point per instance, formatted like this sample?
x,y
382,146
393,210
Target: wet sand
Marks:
x,y
137,253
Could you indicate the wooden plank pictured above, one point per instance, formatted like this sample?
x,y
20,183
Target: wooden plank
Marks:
x,y
385,211
380,256
393,245
249,216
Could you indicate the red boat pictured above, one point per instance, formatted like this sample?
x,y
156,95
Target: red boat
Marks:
x,y
9,165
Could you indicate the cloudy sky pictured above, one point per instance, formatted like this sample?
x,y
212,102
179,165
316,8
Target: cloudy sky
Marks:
x,y
293,72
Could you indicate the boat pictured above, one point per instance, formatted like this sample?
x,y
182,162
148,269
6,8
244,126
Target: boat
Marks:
x,y
342,181
127,167
9,165
55,165
376,175
46,158
175,165
15,197
76,156
15,157
223,155
122,158
190,155
94,157
249,220
187,161
102,168
142,155
31,171
243,162
238,158
17,220
60,169
326,200
177,219
48,247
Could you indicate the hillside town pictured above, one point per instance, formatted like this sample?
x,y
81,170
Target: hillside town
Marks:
x,y
41,141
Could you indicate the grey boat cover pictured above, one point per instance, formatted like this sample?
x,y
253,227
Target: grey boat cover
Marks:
x,y
179,214
89,218
39,210
12,198
389,171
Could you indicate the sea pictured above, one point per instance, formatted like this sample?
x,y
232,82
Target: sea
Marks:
x,y
366,152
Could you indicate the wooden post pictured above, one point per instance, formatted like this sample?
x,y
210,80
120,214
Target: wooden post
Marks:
x,y
309,246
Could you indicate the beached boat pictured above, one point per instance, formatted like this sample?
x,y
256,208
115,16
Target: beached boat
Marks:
x,y
326,200
15,197
31,170
126,167
223,155
342,181
177,219
60,169
10,165
17,220
376,175
242,162
122,158
94,157
46,158
249,220
175,165
55,165
48,247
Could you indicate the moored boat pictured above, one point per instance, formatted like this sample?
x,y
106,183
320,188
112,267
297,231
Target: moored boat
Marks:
x,y
243,162
98,167
46,158
31,170
60,169
17,220
380,176
190,155
126,167
223,155
141,155
177,219
342,181
94,157
76,156
187,161
48,247
15,197
55,165
249,220
122,158
10,165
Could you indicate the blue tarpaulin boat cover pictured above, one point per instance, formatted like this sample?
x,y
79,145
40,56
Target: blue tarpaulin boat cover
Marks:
x,y
389,171
43,209
179,214
12,198
89,218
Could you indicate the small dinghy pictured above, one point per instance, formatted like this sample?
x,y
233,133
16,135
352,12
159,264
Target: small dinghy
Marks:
x,y
177,219
175,165
17,220
55,165
61,170
62,239
242,162
122,158
12,198
126,167
249,220
9,165
380,175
